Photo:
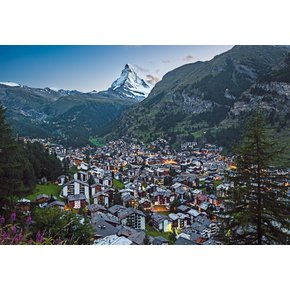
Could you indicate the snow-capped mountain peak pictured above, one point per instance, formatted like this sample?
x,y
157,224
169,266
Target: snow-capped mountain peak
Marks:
x,y
10,84
130,85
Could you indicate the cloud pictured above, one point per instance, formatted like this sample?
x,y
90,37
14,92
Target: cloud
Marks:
x,y
152,79
166,61
142,69
188,58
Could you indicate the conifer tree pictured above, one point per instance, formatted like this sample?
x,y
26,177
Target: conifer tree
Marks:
x,y
257,205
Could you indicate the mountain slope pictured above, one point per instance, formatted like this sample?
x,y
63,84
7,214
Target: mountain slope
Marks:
x,y
191,99
69,116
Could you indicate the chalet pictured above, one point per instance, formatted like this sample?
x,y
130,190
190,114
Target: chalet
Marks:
x,y
56,203
116,208
83,166
211,228
130,201
183,209
146,204
93,208
108,217
113,240
61,180
76,187
161,222
179,220
222,189
24,205
204,206
193,213
158,241
42,200
101,198
77,201
103,229
184,242
211,242
162,197
214,200
136,236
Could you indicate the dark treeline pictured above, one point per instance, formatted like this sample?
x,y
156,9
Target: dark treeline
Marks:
x,y
22,165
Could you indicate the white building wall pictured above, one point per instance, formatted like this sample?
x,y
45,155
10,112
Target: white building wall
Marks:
x,y
87,194
64,191
76,188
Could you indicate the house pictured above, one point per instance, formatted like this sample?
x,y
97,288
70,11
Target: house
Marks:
x,y
76,187
56,203
161,222
103,228
204,226
24,205
184,242
113,240
83,166
159,241
132,217
101,198
116,208
193,213
136,236
146,204
61,180
82,176
179,220
108,217
211,242
77,201
183,208
161,197
130,201
42,200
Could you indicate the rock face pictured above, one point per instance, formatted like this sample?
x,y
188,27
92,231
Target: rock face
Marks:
x,y
197,97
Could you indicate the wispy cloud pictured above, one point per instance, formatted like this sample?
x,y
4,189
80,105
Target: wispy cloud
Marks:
x,y
141,69
152,79
166,61
188,58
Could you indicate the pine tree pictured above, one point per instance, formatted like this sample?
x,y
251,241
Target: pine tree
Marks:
x,y
257,206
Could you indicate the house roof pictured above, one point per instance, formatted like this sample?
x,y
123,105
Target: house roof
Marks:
x,y
203,220
56,203
193,212
42,196
115,208
113,240
159,218
159,241
198,227
76,180
211,242
73,197
183,208
103,229
184,242
128,211
177,216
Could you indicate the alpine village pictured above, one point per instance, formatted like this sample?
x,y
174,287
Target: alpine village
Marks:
x,y
199,158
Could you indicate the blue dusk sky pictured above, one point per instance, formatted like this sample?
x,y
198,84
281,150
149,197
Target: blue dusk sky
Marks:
x,y
94,67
